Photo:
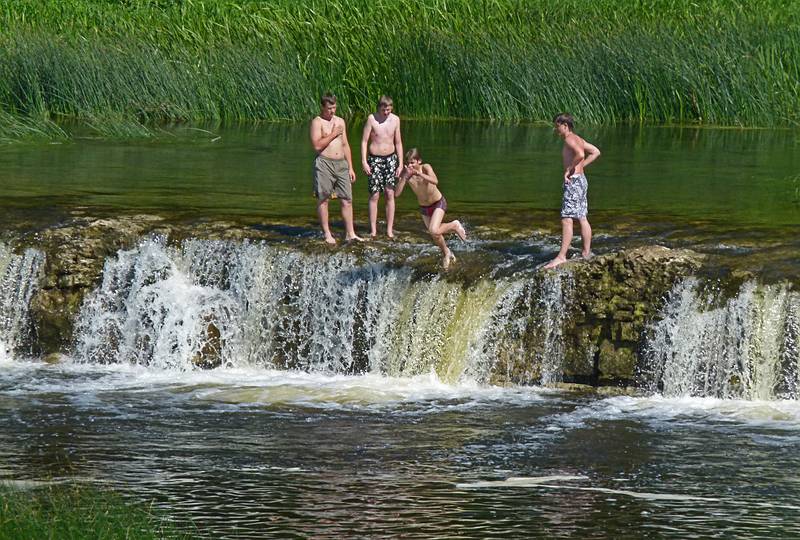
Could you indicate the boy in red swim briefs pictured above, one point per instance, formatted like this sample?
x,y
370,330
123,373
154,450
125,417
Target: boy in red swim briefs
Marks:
x,y
432,204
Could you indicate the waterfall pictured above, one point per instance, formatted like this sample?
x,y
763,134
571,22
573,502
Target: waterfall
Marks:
x,y
525,336
744,347
19,279
218,303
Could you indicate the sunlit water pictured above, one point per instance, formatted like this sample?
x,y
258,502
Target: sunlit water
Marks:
x,y
733,193
253,453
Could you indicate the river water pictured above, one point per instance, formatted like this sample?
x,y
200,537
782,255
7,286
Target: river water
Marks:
x,y
298,433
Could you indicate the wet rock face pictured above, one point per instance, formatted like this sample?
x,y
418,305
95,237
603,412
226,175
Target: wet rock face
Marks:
x,y
615,297
75,254
612,297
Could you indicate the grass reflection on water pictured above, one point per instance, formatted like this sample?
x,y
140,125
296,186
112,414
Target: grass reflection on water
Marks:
x,y
736,177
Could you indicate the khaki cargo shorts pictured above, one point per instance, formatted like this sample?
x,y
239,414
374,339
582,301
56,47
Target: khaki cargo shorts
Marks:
x,y
332,179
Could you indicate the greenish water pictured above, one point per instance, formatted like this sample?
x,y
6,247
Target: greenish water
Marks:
x,y
731,193
272,454
729,177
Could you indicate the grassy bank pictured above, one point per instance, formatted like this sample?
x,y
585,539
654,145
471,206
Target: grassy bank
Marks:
x,y
131,62
74,512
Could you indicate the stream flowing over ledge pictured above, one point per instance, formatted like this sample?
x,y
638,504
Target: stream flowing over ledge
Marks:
x,y
139,289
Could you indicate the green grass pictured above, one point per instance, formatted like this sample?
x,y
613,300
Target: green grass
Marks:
x,y
15,128
134,63
795,181
74,512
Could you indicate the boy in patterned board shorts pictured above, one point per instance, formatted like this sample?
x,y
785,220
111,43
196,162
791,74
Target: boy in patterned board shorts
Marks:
x,y
577,154
382,160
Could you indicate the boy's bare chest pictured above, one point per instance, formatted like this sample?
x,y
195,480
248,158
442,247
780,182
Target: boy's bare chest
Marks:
x,y
382,130
419,185
327,126
568,153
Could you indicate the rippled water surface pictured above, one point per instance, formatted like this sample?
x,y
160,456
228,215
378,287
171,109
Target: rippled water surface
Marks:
x,y
256,453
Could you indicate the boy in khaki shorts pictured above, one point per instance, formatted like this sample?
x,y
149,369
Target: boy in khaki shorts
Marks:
x,y
333,167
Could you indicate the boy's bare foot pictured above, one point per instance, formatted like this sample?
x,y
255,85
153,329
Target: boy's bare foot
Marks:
x,y
390,235
354,238
460,231
448,259
330,240
555,262
587,256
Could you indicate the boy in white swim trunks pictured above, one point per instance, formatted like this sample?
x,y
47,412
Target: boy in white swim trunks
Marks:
x,y
577,154
432,204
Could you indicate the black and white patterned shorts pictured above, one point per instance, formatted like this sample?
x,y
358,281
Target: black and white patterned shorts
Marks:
x,y
383,172
575,204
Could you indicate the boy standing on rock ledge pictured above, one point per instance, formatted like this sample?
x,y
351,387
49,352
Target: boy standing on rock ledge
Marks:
x,y
333,167
382,160
577,155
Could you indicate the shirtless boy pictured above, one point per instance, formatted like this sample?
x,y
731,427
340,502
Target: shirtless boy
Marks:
x,y
432,204
383,162
333,167
577,155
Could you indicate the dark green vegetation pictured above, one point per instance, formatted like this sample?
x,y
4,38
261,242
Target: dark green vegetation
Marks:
x,y
119,64
75,512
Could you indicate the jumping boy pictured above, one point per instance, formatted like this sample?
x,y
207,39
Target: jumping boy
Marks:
x,y
577,155
432,204
333,167
383,163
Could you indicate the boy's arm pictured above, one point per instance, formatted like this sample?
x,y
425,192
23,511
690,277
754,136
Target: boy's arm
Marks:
x,y
398,147
426,173
319,142
592,153
347,156
364,142
404,176
398,188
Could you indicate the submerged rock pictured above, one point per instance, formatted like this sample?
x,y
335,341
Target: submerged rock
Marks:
x,y
53,358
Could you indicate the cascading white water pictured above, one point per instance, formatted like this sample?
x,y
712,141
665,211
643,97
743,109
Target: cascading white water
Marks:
x,y
19,279
211,303
742,347
527,323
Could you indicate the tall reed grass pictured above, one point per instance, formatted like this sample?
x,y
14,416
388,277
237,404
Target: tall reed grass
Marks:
x,y
725,62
